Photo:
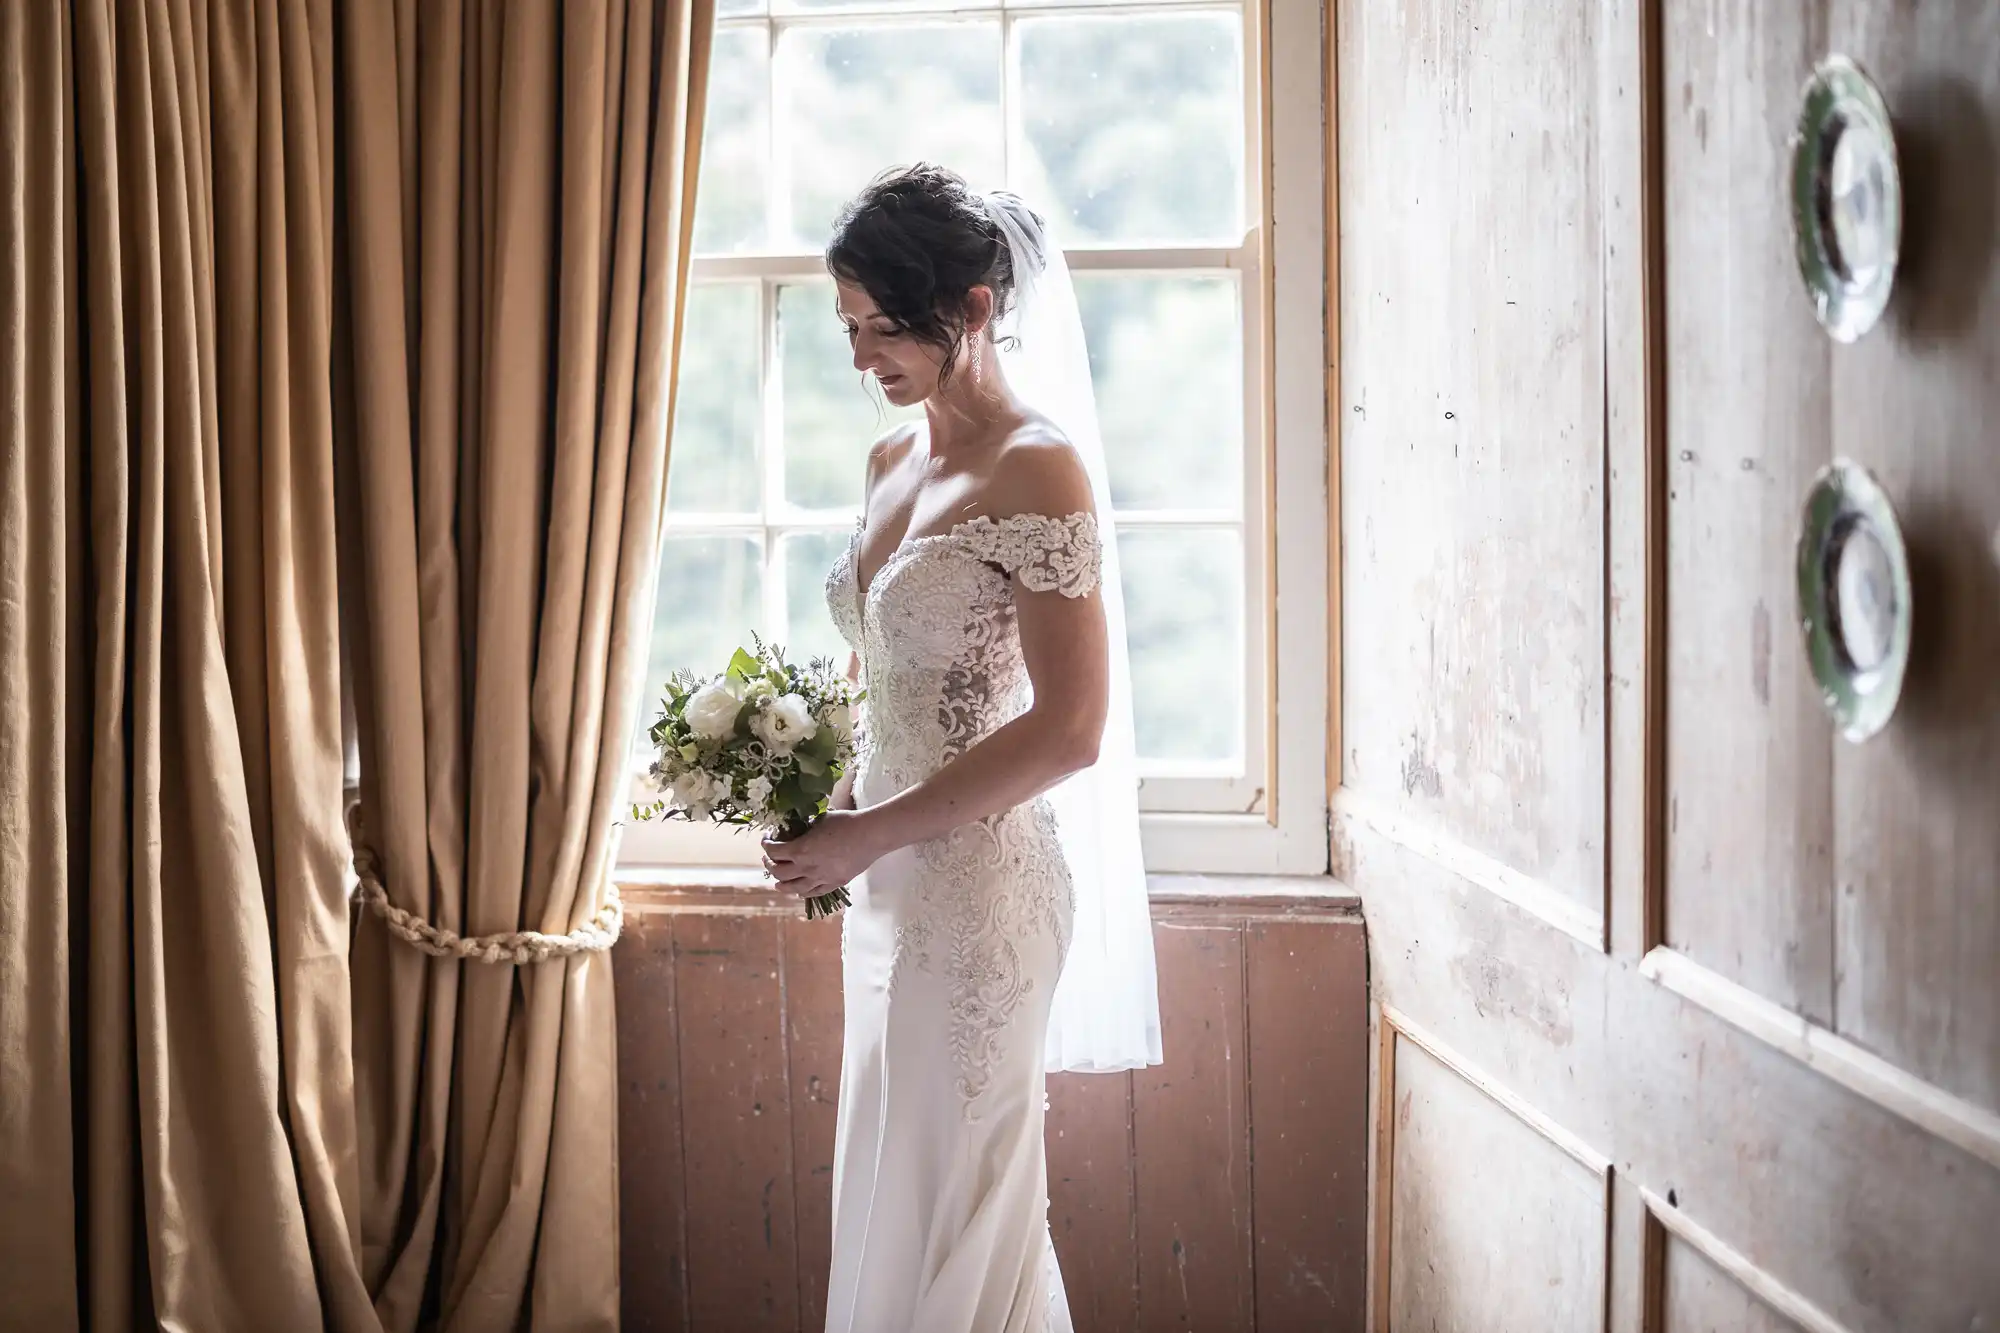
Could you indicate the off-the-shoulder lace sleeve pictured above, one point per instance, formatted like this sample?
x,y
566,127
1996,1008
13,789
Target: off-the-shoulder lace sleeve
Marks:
x,y
1047,554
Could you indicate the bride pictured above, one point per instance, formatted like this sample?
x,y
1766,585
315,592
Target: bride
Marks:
x,y
991,837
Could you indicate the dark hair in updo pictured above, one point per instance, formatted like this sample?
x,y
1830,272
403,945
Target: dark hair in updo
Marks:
x,y
918,240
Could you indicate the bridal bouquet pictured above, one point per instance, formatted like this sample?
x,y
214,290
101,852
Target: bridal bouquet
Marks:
x,y
761,746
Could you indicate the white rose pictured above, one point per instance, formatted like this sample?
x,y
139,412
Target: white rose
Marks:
x,y
757,791
711,711
840,717
784,723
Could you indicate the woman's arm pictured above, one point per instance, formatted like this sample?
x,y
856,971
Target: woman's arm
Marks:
x,y
842,796
1064,646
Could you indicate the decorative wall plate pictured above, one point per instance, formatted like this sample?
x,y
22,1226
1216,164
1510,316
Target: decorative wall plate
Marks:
x,y
1847,198
1854,598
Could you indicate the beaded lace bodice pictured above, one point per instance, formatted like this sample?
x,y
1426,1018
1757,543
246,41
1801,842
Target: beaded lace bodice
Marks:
x,y
937,637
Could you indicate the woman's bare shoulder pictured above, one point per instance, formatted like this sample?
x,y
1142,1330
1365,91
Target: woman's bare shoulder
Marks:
x,y
891,447
890,450
1038,471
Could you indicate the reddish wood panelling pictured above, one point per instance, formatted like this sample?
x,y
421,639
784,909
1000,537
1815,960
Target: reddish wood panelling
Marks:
x,y
1191,1137
1093,1199
736,1123
812,983
1308,1036
652,1237
1220,1191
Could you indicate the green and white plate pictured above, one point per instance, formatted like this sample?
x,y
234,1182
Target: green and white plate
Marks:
x,y
1846,198
1854,598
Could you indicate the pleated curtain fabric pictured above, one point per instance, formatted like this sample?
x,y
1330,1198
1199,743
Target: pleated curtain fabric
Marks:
x,y
518,188
338,346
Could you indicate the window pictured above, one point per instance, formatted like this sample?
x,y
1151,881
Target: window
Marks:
x,y
1147,129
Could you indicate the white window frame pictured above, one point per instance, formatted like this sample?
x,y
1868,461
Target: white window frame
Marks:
x,y
1279,824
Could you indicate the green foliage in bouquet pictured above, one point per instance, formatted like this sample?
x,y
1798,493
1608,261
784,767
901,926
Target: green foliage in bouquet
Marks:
x,y
761,746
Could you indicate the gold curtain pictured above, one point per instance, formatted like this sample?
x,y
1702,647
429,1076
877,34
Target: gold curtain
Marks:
x,y
315,318
177,989
516,193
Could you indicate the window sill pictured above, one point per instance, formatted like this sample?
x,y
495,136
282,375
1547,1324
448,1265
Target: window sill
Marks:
x,y
1316,891
737,889
1182,845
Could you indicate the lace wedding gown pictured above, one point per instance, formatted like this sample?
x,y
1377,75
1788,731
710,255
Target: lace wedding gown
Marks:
x,y
951,951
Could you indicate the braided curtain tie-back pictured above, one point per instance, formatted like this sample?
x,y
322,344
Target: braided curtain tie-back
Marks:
x,y
517,947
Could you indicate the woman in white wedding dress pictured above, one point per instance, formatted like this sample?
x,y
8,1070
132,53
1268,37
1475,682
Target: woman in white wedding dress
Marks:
x,y
990,837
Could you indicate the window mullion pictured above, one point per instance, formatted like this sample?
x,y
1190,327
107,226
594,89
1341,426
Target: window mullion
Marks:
x,y
772,492
891,15
1257,505
770,380
1010,101
1135,261
778,166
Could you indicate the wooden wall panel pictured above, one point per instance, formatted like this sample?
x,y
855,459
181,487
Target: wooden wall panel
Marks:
x,y
1472,415
1308,1032
1093,1199
1696,1280
1191,1138
652,1257
1698,1297
1748,385
812,972
1852,885
1918,401
1884,1226
1796,926
1491,1225
743,1260
1195,1195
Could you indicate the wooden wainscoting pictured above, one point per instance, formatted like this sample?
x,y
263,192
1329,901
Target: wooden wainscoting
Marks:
x,y
1221,1191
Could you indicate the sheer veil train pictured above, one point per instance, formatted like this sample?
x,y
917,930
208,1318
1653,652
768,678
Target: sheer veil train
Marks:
x,y
1107,1010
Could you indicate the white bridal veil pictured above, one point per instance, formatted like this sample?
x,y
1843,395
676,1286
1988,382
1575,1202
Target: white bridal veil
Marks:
x,y
1106,1013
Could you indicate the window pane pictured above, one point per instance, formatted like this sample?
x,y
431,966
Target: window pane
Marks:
x,y
830,416
713,464
730,202
810,632
708,604
857,101
735,8
1134,126
833,6
1166,356
1184,625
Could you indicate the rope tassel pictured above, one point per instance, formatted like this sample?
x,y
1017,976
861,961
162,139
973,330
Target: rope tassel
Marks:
x,y
517,947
